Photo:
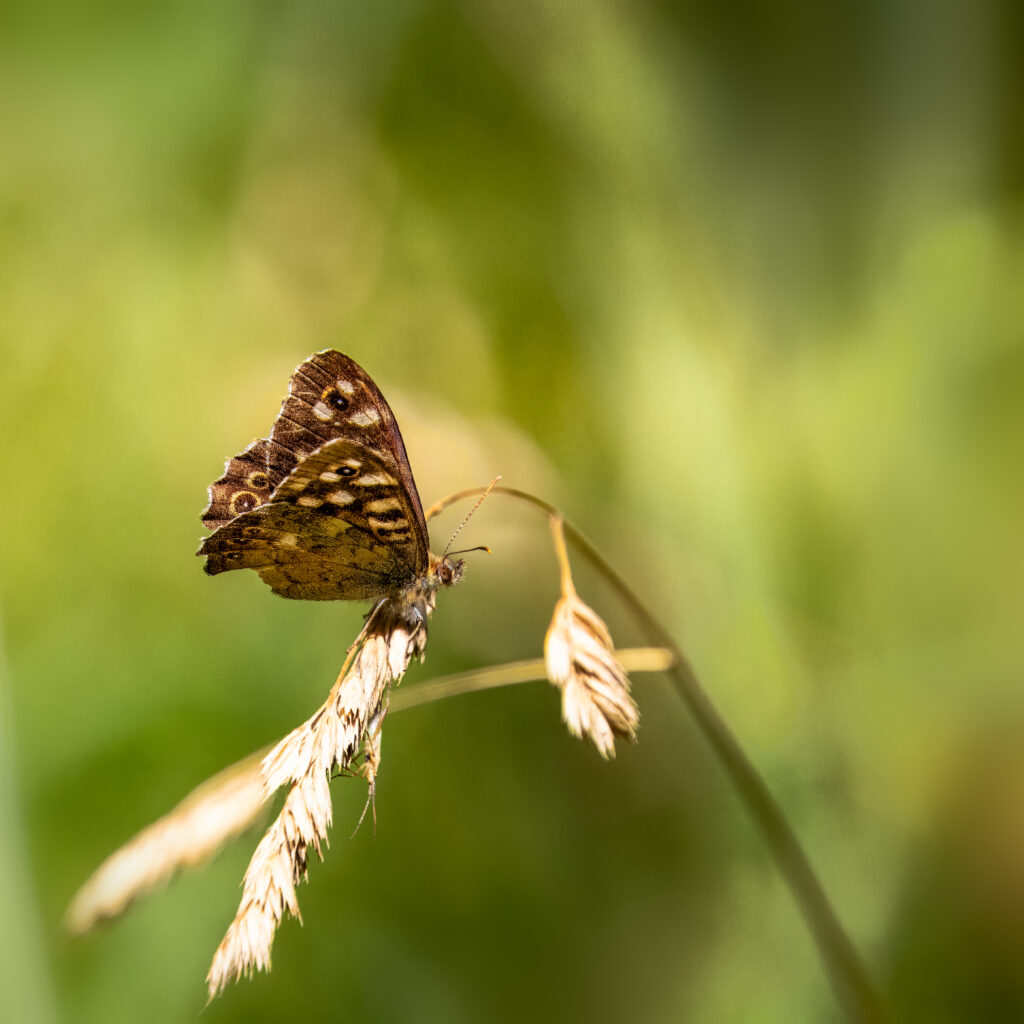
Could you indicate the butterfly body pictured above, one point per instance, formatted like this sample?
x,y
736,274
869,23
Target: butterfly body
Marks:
x,y
326,508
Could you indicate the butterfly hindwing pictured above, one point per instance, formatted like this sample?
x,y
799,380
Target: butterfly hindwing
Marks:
x,y
244,485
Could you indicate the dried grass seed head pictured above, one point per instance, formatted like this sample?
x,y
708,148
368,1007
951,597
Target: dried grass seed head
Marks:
x,y
580,660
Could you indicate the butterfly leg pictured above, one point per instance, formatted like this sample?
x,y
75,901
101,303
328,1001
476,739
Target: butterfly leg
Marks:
x,y
415,616
370,802
371,762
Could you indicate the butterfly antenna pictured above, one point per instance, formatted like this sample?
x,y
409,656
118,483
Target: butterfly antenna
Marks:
x,y
490,487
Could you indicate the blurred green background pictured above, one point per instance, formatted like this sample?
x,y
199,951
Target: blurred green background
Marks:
x,y
739,287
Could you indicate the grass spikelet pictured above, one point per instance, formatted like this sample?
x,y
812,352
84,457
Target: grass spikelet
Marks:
x,y
305,760
211,815
580,660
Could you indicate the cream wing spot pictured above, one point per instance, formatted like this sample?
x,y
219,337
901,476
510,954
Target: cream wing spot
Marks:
x,y
389,526
366,418
341,498
329,477
346,387
309,501
384,505
375,480
287,540
322,411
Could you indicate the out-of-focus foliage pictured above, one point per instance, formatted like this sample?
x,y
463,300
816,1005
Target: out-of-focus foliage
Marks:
x,y
740,288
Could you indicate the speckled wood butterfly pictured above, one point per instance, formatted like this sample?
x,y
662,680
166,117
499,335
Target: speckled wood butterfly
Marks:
x,y
326,508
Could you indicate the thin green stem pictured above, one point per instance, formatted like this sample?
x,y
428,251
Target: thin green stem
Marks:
x,y
850,980
632,659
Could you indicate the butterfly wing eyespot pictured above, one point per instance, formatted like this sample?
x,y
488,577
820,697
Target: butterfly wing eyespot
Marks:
x,y
239,476
335,399
243,501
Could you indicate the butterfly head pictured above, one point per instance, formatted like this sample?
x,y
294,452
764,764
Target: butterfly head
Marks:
x,y
444,572
447,570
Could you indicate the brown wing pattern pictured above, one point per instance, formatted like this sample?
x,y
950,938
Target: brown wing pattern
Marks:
x,y
244,485
330,397
341,526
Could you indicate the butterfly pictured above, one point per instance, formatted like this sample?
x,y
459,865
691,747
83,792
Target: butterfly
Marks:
x,y
326,508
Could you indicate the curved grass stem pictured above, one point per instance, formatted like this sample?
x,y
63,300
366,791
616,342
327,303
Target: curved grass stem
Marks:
x,y
849,977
